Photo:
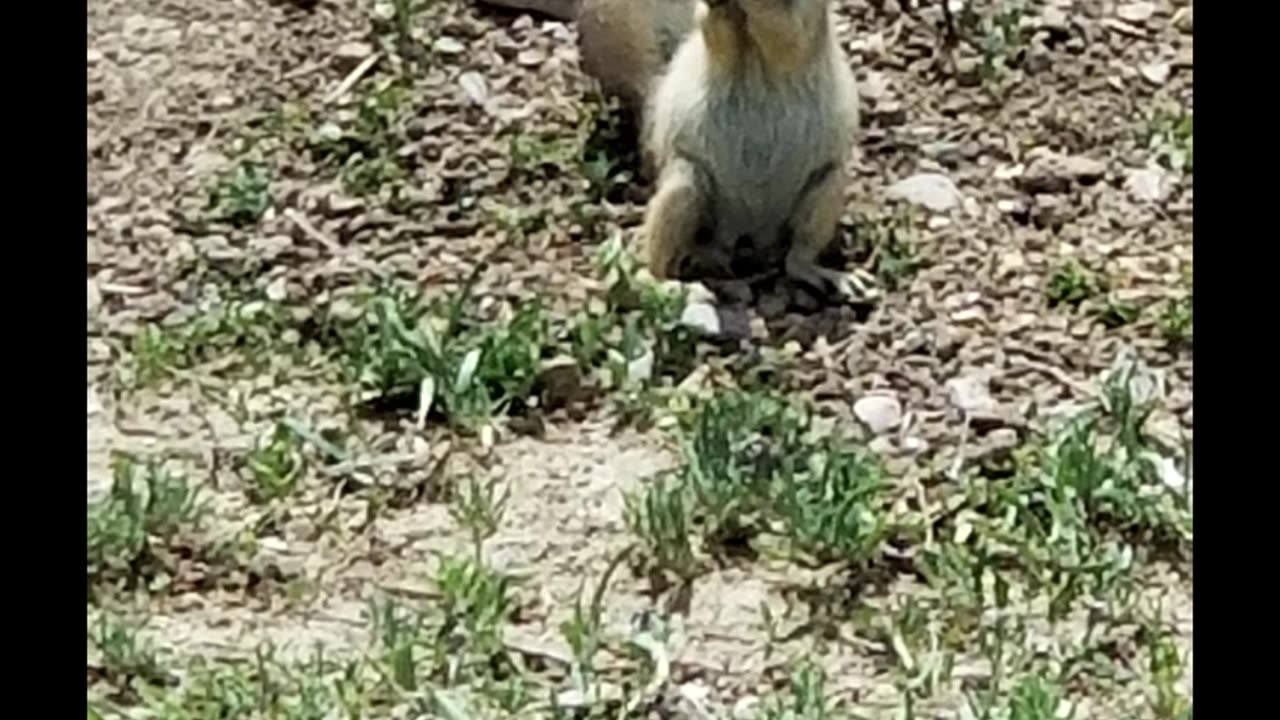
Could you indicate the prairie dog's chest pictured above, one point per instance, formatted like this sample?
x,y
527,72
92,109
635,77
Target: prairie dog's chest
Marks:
x,y
763,150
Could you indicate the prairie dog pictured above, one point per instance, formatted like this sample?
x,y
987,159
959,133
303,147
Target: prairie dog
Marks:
x,y
749,129
749,110
624,44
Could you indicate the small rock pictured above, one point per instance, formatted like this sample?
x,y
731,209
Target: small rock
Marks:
x,y
880,413
744,708
947,341
968,71
448,46
274,545
970,393
338,205
934,191
345,310
1004,439
1156,73
899,465
960,300
888,113
1084,170
302,529
93,297
1038,59
1054,20
990,419
270,247
914,445
870,44
1015,208
1136,12
915,342
561,381
1053,173
1010,263
531,58
995,452
883,445
1168,472
329,132
560,32
874,86
694,291
947,153
1008,172
1149,184
1050,211
277,291
349,55
641,368
474,85
701,317
1182,19
93,405
222,101
415,129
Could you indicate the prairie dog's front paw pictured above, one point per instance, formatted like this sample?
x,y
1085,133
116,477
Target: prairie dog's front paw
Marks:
x,y
854,286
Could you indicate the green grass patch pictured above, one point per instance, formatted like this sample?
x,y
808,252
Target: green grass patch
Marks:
x,y
275,465
891,243
241,195
755,465
1077,514
147,507
1170,136
251,330
1071,284
405,351
363,145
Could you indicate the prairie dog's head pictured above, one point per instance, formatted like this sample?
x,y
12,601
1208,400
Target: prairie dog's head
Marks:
x,y
797,10
783,30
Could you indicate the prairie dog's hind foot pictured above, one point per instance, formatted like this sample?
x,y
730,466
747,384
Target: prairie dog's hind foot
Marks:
x,y
853,287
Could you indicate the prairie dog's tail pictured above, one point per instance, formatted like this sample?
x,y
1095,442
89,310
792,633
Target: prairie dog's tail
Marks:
x,y
623,44
626,44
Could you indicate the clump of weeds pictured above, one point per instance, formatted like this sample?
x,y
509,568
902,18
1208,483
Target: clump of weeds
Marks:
x,y
756,464
466,370
147,507
241,195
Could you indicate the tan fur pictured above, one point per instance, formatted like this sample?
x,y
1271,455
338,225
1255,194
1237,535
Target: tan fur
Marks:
x,y
750,128
749,111
625,44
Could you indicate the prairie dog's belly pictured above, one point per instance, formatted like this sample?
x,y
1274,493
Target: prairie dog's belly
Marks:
x,y
761,172
755,142
750,218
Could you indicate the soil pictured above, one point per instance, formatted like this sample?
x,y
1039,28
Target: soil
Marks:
x,y
1051,164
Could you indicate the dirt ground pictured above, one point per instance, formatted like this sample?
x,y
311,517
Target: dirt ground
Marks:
x,y
1037,180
